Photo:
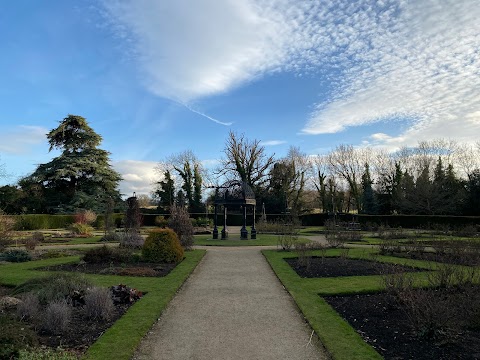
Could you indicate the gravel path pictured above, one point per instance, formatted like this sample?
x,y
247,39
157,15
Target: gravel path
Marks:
x,y
232,307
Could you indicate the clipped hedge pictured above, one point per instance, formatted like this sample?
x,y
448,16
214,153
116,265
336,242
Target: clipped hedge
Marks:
x,y
419,221
42,221
405,221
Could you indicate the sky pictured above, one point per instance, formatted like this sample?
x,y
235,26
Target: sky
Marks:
x,y
158,77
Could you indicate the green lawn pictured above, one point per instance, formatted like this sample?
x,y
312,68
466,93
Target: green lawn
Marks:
x,y
339,338
121,340
262,240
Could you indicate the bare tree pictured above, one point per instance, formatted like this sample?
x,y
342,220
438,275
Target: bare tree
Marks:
x,y
319,173
246,159
348,163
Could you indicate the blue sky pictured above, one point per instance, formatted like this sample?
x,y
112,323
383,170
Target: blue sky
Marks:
x,y
156,77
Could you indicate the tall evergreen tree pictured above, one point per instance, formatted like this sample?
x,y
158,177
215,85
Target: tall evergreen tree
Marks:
x,y
472,200
196,205
81,176
165,192
369,205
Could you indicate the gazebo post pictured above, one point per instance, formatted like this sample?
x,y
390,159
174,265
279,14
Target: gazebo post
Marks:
x,y
243,231
224,230
215,229
254,231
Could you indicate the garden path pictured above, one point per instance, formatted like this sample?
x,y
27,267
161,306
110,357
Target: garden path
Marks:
x,y
231,307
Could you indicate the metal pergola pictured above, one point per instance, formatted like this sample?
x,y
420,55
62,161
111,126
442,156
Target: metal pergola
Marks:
x,y
234,193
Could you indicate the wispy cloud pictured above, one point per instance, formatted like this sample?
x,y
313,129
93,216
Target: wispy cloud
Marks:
x,y
21,139
388,59
273,142
422,64
206,116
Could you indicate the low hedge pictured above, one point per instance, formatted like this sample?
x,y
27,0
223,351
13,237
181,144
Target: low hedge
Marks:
x,y
405,221
42,221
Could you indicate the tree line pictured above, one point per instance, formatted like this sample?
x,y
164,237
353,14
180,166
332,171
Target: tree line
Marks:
x,y
437,177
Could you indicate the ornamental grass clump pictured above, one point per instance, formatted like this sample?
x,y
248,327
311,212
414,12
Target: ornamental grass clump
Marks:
x,y
99,303
57,316
162,246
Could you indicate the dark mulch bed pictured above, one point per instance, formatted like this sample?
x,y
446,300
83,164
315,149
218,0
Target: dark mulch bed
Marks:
x,y
336,266
387,329
136,269
82,332
449,258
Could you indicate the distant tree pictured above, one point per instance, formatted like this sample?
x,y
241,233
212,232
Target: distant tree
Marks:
x,y
190,170
405,199
389,191
197,205
246,160
10,199
472,200
144,200
180,199
165,192
369,205
347,163
319,176
287,182
81,176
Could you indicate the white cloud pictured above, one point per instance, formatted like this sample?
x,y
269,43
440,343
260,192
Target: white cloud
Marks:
x,y
424,67
21,139
273,142
138,176
189,49
394,59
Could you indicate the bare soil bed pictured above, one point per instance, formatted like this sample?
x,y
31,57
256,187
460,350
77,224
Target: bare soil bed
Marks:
x,y
336,266
450,258
135,269
386,328
82,331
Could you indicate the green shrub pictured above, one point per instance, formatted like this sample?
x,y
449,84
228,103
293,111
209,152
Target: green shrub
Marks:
x,y
162,245
16,256
107,254
14,336
81,229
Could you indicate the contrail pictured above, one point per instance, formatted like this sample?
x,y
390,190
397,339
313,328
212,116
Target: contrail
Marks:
x,y
206,116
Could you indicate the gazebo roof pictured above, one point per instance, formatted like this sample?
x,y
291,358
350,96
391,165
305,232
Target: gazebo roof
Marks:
x,y
235,192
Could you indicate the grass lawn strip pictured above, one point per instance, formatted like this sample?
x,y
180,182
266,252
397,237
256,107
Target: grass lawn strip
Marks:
x,y
340,339
120,340
262,240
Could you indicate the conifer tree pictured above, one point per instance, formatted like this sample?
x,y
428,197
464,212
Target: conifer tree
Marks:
x,y
81,176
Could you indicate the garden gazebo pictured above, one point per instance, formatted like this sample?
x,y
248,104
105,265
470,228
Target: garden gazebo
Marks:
x,y
234,193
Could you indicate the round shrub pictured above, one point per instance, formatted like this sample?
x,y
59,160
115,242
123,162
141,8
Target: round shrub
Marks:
x,y
15,255
162,245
